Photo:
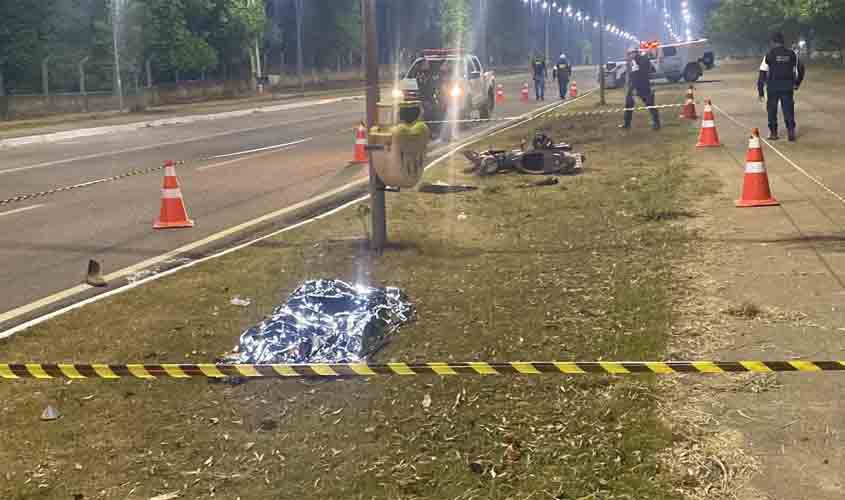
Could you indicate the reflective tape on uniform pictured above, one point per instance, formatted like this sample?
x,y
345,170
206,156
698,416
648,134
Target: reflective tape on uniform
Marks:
x,y
755,167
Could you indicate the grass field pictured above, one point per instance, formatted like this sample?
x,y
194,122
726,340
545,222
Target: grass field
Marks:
x,y
581,270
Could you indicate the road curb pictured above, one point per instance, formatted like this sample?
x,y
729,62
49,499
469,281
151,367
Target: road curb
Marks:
x,y
176,120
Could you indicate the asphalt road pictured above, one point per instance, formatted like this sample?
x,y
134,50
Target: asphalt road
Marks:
x,y
45,243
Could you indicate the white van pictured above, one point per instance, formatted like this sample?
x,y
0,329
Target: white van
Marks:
x,y
674,61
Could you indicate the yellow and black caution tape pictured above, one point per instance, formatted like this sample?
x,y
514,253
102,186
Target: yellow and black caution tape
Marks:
x,y
310,370
569,114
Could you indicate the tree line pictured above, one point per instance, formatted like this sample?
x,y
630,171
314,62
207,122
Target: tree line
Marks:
x,y
747,25
177,40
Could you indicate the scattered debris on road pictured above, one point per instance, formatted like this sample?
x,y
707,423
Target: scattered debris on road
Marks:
x,y
443,188
49,414
94,276
239,302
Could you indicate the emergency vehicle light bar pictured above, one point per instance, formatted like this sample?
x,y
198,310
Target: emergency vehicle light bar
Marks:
x,y
442,52
654,44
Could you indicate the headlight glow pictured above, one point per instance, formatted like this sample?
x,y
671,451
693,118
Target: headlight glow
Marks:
x,y
456,91
398,94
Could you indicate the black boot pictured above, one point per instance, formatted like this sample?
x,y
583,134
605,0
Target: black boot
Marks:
x,y
791,133
773,135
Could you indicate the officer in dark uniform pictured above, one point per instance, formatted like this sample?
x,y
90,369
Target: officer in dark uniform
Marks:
x,y
638,73
781,74
562,72
538,68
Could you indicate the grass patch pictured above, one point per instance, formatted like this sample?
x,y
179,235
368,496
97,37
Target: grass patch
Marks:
x,y
568,272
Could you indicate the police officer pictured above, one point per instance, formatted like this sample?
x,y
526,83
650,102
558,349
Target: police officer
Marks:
x,y
538,68
638,74
781,74
562,72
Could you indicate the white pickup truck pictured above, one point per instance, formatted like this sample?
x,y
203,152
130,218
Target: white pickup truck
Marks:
x,y
686,60
449,83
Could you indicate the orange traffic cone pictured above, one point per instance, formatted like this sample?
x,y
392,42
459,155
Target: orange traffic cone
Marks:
x,y
755,186
500,95
524,94
689,108
173,214
709,137
573,89
360,153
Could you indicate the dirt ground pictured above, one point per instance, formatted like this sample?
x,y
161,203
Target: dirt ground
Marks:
x,y
771,287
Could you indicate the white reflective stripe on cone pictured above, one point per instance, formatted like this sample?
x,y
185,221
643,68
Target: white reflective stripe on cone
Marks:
x,y
755,167
171,194
170,171
360,141
754,143
708,124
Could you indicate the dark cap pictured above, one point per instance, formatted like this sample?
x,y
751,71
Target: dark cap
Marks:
x,y
778,38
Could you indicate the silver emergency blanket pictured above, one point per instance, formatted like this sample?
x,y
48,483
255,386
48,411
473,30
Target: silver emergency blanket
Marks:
x,y
327,321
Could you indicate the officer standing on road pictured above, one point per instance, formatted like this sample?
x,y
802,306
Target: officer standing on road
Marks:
x,y
638,73
562,72
538,67
781,74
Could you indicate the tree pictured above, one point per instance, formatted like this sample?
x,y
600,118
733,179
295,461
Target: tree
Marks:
x,y
454,23
748,24
24,35
249,18
173,45
826,17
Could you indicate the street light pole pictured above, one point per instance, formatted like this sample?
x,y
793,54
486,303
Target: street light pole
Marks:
x,y
377,211
548,20
300,65
603,22
115,21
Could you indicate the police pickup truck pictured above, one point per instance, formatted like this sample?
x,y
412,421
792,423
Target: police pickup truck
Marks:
x,y
450,84
686,60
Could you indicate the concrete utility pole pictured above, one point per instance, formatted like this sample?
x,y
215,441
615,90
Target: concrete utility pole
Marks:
x,y
300,64
548,20
377,208
45,76
258,72
482,49
115,27
603,22
642,19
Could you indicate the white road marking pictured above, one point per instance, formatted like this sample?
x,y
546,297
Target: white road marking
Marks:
x,y
238,160
169,143
248,151
70,292
786,159
20,210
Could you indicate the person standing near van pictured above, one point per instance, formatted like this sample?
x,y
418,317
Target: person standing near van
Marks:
x,y
781,74
562,72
